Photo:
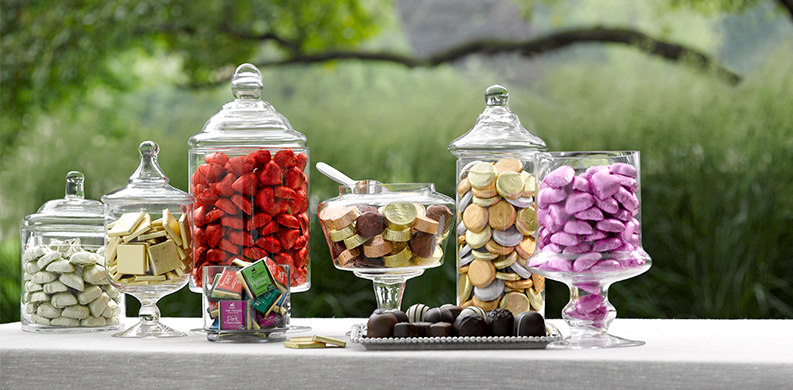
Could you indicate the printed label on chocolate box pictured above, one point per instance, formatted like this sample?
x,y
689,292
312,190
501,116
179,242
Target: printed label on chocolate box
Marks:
x,y
256,277
280,275
264,302
271,320
228,286
232,315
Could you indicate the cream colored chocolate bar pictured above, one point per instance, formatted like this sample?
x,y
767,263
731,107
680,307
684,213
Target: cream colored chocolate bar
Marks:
x,y
142,227
164,257
126,224
171,226
131,259
184,230
329,340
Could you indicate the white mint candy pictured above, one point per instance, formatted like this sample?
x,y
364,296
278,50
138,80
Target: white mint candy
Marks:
x,y
76,311
60,266
54,287
63,299
73,280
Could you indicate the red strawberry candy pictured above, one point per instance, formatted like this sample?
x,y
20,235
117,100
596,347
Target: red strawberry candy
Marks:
x,y
199,176
283,258
254,253
243,203
285,158
199,255
303,218
295,178
215,255
207,196
301,242
264,198
216,158
270,228
242,164
228,206
258,220
288,221
234,222
238,237
270,174
214,234
261,157
301,260
228,246
301,159
300,203
269,243
216,173
199,236
200,215
245,184
284,192
214,215
223,188
288,238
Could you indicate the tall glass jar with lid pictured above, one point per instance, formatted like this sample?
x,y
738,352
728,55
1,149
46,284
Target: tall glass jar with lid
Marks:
x,y
248,174
64,282
495,210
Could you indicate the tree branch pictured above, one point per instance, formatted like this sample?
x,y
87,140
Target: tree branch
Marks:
x,y
788,6
530,48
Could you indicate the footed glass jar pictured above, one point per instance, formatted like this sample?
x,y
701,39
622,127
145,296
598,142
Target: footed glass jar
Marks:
x,y
248,175
148,233
387,233
495,211
64,282
589,236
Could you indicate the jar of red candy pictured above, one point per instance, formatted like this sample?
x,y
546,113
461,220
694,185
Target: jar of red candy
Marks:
x,y
495,210
248,175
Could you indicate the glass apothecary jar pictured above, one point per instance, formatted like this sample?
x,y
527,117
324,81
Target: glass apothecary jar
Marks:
x,y
64,282
387,233
495,210
248,175
148,233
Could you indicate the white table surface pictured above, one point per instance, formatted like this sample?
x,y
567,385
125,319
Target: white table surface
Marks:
x,y
701,354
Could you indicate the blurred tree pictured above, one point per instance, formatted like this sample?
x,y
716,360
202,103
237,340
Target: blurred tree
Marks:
x,y
54,51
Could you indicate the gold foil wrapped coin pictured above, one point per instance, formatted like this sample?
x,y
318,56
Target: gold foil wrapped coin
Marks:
x,y
509,165
478,239
464,288
502,215
402,235
515,302
341,234
510,185
526,221
482,174
400,214
398,259
529,184
475,218
535,298
481,273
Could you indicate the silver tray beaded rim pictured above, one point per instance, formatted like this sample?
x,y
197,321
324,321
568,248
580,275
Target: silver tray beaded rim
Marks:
x,y
358,335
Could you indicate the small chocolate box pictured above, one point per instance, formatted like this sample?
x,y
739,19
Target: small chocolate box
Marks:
x,y
233,315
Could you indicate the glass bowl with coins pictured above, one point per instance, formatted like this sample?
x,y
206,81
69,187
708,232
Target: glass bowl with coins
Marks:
x,y
385,232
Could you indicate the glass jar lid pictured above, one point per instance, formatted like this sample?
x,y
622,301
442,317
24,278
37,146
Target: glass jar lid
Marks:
x,y
73,208
148,183
496,129
247,121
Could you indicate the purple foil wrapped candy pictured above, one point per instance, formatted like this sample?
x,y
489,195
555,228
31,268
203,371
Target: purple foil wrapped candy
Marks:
x,y
581,184
623,169
565,239
593,170
596,236
557,263
589,303
578,201
586,261
577,249
628,183
552,224
552,247
592,288
604,185
623,215
575,226
560,177
627,199
610,225
550,195
607,244
609,205
606,266
590,214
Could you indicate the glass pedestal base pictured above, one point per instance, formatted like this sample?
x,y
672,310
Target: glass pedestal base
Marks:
x,y
594,342
150,329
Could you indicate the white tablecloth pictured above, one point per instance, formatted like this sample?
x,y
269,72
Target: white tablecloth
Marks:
x,y
701,354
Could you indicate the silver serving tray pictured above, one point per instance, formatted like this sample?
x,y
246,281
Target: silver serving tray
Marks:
x,y
358,335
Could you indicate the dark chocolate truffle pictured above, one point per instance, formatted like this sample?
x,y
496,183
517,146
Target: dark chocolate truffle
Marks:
x,y
422,244
365,207
438,314
400,315
369,224
454,309
529,323
412,329
381,324
500,322
470,326
441,329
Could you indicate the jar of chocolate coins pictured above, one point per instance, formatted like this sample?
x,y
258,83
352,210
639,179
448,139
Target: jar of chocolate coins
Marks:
x,y
248,174
495,210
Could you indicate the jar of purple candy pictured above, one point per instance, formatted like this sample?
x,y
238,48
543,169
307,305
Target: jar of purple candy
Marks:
x,y
589,236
